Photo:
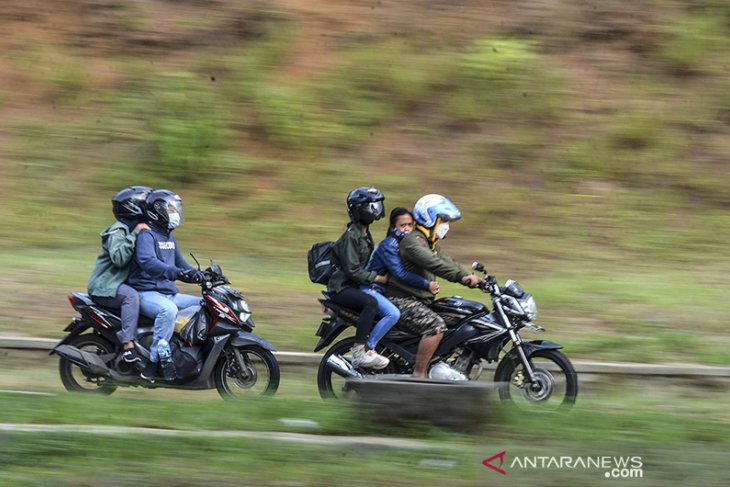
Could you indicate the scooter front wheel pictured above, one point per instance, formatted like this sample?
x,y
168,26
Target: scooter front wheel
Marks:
x,y
255,373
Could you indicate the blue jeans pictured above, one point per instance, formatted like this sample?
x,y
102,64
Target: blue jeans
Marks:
x,y
390,316
163,309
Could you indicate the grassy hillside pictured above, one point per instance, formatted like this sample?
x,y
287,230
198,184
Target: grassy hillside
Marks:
x,y
586,144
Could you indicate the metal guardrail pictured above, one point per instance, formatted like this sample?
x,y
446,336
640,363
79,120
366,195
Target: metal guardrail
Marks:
x,y
584,367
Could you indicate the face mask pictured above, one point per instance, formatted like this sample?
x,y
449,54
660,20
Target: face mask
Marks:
x,y
400,233
442,230
174,220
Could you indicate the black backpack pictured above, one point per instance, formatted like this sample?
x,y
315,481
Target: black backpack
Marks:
x,y
321,263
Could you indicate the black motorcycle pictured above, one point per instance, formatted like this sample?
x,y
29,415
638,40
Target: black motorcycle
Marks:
x,y
535,371
214,348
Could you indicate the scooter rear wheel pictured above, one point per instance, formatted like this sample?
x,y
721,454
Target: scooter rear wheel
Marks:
x,y
75,379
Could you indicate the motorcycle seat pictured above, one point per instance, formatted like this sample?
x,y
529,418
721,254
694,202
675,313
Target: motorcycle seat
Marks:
x,y
339,309
88,301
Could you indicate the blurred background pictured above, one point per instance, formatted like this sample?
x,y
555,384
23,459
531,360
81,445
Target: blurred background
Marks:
x,y
586,144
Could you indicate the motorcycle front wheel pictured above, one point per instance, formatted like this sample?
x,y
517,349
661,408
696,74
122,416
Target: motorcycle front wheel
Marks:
x,y
331,384
555,386
75,379
257,375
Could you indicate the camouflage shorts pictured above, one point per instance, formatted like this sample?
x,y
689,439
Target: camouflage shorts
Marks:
x,y
418,318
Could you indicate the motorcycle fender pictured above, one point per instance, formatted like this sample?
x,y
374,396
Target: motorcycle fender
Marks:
x,y
76,328
530,348
535,345
243,338
329,333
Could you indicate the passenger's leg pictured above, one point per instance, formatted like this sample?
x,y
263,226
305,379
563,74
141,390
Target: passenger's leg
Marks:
x,y
130,314
390,316
367,305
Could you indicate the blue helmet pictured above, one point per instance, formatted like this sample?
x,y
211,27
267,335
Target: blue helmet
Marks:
x,y
432,206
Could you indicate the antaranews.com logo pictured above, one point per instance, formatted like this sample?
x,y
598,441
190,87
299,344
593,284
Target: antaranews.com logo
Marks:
x,y
623,467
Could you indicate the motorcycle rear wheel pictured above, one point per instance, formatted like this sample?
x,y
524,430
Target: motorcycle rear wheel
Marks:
x,y
556,387
260,377
75,379
331,385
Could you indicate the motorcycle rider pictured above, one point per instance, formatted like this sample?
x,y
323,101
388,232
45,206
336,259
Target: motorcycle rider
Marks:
x,y
351,253
106,285
422,255
157,263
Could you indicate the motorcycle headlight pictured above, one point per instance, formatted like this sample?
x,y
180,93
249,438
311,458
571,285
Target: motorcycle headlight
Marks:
x,y
242,309
529,306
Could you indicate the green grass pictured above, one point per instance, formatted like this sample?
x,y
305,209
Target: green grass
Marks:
x,y
670,426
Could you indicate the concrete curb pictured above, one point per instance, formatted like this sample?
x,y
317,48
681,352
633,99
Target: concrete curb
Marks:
x,y
582,366
312,439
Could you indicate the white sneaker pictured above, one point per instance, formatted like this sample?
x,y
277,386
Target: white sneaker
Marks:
x,y
369,359
442,371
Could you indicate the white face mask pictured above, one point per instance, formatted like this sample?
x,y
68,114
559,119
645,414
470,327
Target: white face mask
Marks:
x,y
174,220
442,230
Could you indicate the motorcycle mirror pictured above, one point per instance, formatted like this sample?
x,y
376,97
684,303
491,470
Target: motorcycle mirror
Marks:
x,y
478,267
196,260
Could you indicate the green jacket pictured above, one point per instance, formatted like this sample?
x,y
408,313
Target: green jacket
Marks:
x,y
351,253
114,260
420,258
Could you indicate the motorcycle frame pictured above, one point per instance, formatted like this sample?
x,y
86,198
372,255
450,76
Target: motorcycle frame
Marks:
x,y
469,331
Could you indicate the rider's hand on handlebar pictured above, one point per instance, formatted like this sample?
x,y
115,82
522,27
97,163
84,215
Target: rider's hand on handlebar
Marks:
x,y
472,280
434,288
191,276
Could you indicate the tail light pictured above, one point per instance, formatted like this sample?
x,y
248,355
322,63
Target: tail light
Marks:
x,y
72,299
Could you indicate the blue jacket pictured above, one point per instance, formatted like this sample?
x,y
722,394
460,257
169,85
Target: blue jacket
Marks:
x,y
157,262
385,259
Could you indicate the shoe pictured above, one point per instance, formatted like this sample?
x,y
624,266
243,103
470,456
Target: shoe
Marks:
x,y
370,359
442,371
150,372
131,356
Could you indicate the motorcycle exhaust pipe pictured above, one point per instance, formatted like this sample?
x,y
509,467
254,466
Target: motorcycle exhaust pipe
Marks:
x,y
342,367
87,361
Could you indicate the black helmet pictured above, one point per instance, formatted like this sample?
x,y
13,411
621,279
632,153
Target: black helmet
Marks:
x,y
159,202
129,203
365,205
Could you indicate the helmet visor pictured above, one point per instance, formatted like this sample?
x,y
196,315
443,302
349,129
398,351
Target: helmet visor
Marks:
x,y
375,209
174,205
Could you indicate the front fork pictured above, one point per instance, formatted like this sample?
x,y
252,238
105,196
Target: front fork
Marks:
x,y
516,342
246,371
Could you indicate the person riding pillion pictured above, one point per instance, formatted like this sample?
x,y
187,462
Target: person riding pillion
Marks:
x,y
158,262
351,253
106,285
422,255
